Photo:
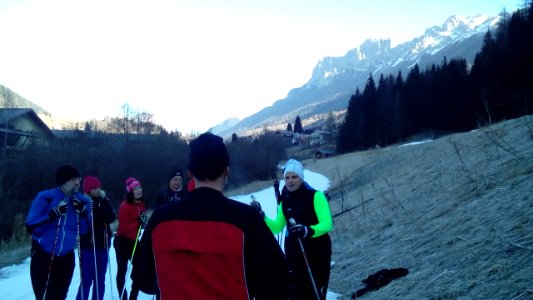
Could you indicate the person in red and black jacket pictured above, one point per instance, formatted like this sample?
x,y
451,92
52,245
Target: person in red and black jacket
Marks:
x,y
208,246
131,219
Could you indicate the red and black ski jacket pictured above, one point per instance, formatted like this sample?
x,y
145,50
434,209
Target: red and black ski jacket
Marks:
x,y
209,247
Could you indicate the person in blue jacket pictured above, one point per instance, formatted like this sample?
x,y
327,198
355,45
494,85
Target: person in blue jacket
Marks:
x,y
55,218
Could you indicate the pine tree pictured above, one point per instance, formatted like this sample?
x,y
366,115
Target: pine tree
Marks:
x,y
298,125
234,138
289,127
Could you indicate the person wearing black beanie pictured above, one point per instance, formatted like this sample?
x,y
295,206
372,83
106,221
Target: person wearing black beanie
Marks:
x,y
66,173
199,240
175,191
53,220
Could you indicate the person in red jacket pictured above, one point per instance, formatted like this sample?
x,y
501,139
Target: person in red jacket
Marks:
x,y
131,219
208,246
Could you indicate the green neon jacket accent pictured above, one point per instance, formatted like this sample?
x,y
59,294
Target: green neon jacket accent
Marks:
x,y
321,208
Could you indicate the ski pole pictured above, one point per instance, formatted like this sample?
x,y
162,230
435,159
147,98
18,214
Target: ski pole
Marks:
x,y
276,190
108,261
52,258
131,261
94,255
135,245
79,254
293,222
278,199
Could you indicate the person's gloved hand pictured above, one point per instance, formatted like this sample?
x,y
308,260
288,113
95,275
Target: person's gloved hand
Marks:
x,y
276,184
143,220
79,206
257,206
58,210
99,202
301,231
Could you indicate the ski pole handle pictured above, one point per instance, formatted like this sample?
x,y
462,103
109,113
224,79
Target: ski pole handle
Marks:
x,y
311,277
292,221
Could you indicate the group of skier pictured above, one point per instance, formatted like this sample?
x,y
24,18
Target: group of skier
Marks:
x,y
205,245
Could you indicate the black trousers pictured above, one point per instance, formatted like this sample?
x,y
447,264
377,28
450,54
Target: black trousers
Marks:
x,y
59,268
318,253
123,250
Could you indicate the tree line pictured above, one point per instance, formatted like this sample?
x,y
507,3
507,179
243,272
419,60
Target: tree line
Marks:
x,y
135,147
448,97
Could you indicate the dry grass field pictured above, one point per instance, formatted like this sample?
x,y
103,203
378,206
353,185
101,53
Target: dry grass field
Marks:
x,y
456,211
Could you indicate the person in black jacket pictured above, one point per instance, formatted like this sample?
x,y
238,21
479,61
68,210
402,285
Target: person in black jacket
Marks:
x,y
175,190
95,242
208,246
305,211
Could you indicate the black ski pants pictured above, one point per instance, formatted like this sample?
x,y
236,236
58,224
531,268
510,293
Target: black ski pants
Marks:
x,y
124,250
318,253
59,268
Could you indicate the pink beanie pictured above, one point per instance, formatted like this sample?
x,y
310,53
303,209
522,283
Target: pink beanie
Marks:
x,y
131,184
90,183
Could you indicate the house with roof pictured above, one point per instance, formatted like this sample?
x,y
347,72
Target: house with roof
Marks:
x,y
325,152
21,126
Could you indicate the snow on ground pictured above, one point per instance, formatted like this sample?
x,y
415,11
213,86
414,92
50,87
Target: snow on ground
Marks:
x,y
15,283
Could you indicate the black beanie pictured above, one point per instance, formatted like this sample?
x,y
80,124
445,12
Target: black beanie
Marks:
x,y
208,156
66,173
175,173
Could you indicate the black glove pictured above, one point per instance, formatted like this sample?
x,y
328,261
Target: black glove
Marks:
x,y
257,206
97,203
143,220
79,206
58,210
301,231
276,184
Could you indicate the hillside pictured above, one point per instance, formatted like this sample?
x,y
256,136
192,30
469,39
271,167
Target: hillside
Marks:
x,y
457,212
10,99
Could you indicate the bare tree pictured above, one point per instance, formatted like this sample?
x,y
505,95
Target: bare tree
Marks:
x,y
8,102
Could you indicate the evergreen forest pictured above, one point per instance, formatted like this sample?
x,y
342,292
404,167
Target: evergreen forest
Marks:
x,y
452,96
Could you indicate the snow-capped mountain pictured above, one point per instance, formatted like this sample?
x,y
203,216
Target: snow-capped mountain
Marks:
x,y
335,79
224,125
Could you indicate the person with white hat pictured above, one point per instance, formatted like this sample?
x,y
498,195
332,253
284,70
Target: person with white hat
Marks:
x,y
308,245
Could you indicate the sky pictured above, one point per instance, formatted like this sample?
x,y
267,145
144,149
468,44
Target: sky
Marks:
x,y
15,281
193,64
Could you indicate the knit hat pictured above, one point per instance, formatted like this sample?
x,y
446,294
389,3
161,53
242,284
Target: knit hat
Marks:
x,y
131,184
90,183
294,166
208,156
175,173
66,173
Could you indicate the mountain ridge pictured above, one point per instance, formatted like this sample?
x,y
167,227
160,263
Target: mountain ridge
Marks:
x,y
335,79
